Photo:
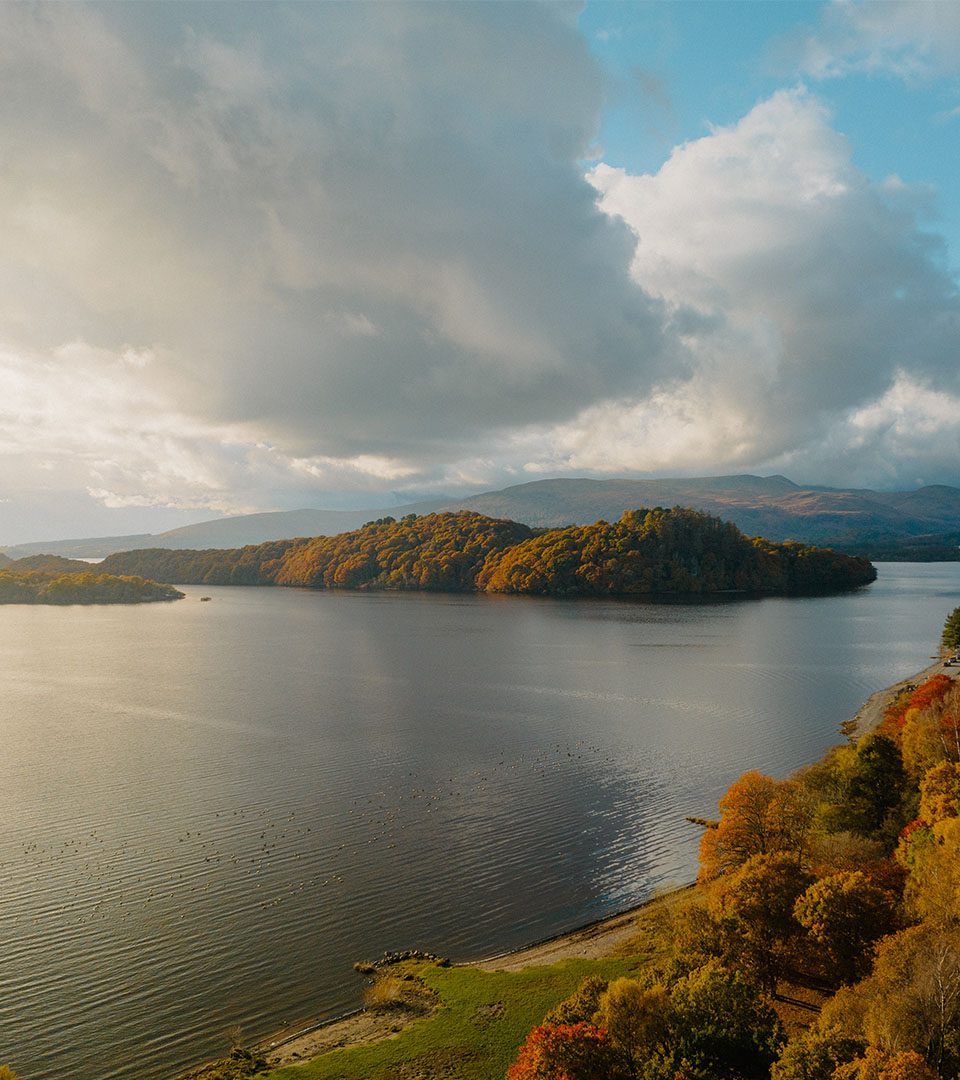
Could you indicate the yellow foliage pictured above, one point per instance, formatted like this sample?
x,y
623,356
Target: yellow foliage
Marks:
x,y
920,742
878,1064
940,793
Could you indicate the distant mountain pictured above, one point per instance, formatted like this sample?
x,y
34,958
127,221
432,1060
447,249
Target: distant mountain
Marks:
x,y
93,547
882,524
220,533
772,506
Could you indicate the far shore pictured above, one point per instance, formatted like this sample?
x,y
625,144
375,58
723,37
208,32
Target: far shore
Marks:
x,y
310,1038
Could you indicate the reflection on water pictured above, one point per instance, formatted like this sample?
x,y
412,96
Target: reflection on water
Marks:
x,y
210,811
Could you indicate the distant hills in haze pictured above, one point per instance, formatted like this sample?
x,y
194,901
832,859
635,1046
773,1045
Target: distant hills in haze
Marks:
x,y
920,524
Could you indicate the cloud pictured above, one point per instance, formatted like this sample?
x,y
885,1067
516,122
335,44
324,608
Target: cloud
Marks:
x,y
91,417
913,39
257,252
910,436
802,291
350,233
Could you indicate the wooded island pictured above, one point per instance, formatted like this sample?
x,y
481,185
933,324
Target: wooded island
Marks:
x,y
647,552
86,587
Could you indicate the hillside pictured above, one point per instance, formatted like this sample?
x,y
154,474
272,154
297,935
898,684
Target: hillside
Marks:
x,y
921,524
645,553
49,564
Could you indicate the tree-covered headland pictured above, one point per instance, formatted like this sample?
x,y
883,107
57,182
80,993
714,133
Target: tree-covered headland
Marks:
x,y
646,553
87,587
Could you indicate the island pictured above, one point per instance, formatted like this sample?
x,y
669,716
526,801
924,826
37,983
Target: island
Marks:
x,y
25,586
648,552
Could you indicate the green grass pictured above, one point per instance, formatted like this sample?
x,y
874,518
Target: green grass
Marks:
x,y
474,1035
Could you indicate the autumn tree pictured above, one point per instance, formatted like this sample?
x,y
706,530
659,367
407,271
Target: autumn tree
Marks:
x,y
869,782
567,1052
845,914
879,1064
582,1004
912,998
921,741
815,1054
755,903
932,855
940,793
723,1026
758,816
637,1018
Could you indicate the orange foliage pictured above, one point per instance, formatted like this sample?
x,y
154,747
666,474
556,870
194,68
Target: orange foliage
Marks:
x,y
882,1065
758,816
663,551
647,551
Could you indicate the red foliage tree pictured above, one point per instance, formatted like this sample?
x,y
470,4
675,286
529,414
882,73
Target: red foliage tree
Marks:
x,y
929,693
567,1052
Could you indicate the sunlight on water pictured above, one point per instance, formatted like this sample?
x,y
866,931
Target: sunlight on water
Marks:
x,y
211,810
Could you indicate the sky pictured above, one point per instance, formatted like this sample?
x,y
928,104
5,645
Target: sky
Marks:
x,y
264,256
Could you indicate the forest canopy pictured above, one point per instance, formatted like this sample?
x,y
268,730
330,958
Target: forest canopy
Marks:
x,y
647,552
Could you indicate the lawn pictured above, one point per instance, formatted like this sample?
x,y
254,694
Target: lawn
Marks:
x,y
482,1020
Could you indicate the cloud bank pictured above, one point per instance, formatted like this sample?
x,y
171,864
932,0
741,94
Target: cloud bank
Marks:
x,y
254,253
357,233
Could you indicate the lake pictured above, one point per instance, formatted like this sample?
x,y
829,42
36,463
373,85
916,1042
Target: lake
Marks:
x,y
210,810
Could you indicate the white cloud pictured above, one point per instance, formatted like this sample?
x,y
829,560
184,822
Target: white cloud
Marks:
x,y
800,289
93,417
910,436
908,38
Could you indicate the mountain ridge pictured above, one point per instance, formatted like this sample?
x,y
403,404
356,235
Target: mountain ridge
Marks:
x,y
924,520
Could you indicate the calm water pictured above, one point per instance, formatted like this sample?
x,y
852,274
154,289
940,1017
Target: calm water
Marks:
x,y
211,810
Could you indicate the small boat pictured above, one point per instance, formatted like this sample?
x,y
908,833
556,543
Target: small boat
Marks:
x,y
202,598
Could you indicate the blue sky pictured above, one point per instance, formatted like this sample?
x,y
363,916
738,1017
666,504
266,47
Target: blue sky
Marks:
x,y
675,69
264,255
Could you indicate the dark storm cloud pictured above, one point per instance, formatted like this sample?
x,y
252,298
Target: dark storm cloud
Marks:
x,y
351,228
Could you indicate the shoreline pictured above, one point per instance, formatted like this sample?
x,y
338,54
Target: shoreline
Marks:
x,y
871,711
592,940
309,1038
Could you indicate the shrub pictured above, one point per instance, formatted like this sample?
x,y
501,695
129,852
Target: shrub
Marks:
x,y
580,1007
390,992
